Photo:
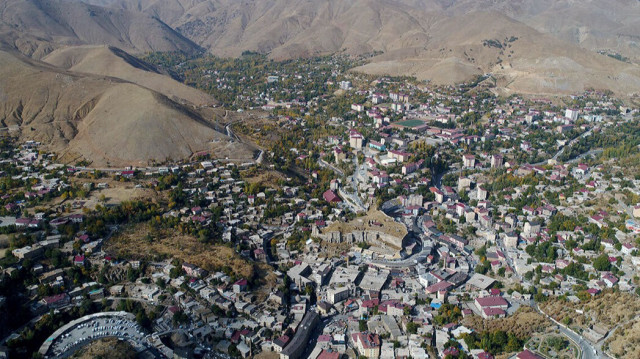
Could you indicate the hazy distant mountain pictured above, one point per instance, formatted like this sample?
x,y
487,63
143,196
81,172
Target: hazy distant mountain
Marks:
x,y
553,47
30,24
445,41
228,25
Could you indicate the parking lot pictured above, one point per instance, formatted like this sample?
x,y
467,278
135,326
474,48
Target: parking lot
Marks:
x,y
84,333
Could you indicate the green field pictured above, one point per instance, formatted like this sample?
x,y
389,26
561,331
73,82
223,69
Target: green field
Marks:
x,y
409,123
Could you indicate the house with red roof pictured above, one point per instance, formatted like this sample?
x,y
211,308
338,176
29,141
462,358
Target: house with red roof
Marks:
x,y
240,286
329,354
610,279
598,221
78,260
492,307
593,291
57,301
368,344
331,197
435,288
128,174
527,354
280,343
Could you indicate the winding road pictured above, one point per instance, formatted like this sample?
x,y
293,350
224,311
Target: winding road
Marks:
x,y
587,349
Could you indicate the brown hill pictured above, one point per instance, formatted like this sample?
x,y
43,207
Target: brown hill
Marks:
x,y
431,39
104,120
113,62
27,24
520,58
612,26
226,25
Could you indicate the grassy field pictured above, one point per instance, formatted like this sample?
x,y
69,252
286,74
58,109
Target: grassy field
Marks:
x,y
410,123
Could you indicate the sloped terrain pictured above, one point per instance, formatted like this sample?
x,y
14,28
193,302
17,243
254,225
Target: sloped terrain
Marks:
x,y
437,40
113,62
28,24
520,58
104,120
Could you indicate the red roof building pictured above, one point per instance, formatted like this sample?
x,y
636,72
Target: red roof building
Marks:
x,y
331,197
444,285
492,302
526,354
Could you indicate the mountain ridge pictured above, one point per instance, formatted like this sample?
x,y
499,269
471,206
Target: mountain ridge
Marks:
x,y
105,120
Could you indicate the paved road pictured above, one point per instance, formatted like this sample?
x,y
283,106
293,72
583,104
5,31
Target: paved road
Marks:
x,y
587,349
351,199
325,164
572,142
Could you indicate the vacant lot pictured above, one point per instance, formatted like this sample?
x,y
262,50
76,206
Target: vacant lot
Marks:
x,y
267,355
266,178
134,243
523,323
116,192
107,348
607,309
625,341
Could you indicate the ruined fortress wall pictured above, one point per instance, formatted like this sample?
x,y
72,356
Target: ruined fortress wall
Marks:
x,y
375,238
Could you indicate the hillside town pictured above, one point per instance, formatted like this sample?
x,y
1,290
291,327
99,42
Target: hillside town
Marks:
x,y
386,218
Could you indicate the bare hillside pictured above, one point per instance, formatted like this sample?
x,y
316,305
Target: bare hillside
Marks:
x,y
445,41
226,25
104,120
520,58
60,22
113,62
612,26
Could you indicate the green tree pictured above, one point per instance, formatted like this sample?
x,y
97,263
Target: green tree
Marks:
x,y
412,328
601,263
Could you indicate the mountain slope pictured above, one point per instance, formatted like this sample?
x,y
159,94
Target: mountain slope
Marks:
x,y
284,26
104,120
612,26
445,41
519,57
62,22
431,39
113,62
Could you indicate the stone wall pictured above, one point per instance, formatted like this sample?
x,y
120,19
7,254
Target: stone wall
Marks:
x,y
372,237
